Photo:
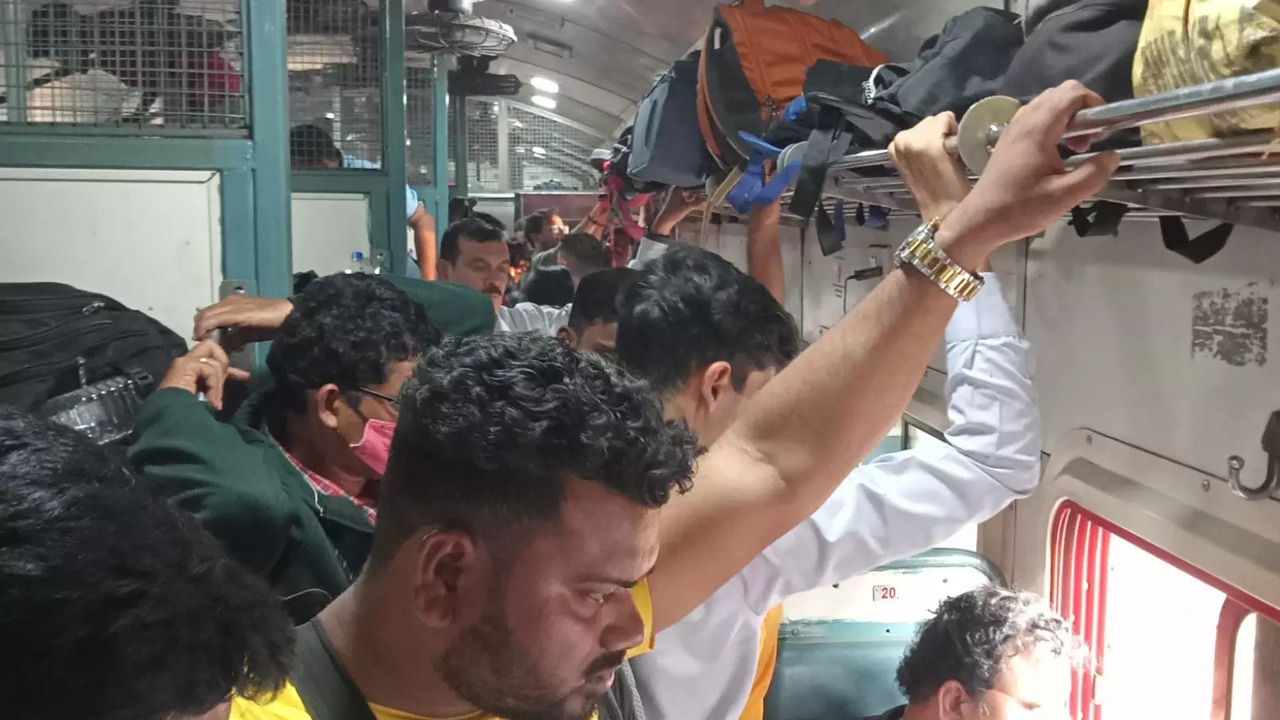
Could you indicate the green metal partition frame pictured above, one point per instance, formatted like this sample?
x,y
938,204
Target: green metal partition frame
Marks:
x,y
255,177
254,170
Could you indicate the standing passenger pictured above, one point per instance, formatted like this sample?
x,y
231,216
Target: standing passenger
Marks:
x,y
707,338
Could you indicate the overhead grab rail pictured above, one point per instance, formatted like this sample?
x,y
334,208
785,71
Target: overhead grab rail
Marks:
x,y
1216,178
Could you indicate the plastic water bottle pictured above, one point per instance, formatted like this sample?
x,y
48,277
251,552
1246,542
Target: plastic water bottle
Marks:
x,y
357,263
104,411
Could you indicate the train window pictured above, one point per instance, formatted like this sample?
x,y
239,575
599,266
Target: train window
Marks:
x,y
1153,623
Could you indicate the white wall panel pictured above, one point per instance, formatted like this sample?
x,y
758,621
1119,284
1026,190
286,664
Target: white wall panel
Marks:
x,y
150,239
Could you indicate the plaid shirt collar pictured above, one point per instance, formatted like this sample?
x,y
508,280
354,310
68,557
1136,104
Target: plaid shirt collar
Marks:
x,y
327,487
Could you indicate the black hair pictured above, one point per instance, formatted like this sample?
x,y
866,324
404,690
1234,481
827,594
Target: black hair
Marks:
x,y
470,228
312,145
550,286
599,298
491,428
114,605
972,636
691,308
585,249
536,222
345,329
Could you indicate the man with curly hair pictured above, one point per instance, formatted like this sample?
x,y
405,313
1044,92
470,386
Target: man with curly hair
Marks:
x,y
113,605
989,654
292,487
515,565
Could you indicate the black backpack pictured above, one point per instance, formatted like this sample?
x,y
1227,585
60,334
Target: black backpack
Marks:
x,y
55,339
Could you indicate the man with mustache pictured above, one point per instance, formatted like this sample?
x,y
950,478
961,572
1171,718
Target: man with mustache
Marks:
x,y
516,554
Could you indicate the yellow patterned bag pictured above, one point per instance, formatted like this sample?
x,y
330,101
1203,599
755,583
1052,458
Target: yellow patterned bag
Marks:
x,y
1189,42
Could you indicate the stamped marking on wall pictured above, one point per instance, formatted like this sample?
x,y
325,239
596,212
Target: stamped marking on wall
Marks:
x,y
1230,326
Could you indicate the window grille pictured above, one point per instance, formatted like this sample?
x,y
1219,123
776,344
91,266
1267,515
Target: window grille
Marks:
x,y
154,67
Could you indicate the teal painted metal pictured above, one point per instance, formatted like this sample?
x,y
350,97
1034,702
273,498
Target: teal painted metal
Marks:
x,y
383,227
238,247
460,159
121,153
141,131
340,181
440,157
389,235
268,92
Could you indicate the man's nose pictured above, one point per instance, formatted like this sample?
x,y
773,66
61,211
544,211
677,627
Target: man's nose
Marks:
x,y
627,631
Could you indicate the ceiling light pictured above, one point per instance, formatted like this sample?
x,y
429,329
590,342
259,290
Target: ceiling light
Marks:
x,y
537,151
544,102
550,87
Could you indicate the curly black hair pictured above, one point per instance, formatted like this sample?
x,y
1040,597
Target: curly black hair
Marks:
x,y
492,427
113,605
347,330
599,298
973,635
690,308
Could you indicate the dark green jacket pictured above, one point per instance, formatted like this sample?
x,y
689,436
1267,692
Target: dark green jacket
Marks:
x,y
454,309
247,494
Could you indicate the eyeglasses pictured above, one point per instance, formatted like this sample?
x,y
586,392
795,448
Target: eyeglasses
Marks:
x,y
395,403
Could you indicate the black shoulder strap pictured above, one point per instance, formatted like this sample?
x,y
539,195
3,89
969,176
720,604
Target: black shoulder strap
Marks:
x,y
324,686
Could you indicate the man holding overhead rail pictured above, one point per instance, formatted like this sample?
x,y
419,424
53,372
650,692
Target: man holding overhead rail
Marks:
x,y
707,338
516,559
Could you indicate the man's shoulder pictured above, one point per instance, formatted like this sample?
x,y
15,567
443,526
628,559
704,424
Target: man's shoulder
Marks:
x,y
287,705
454,309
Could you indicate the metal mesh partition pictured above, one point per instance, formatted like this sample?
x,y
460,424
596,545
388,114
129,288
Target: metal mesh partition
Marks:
x,y
149,66
512,147
335,99
549,154
419,125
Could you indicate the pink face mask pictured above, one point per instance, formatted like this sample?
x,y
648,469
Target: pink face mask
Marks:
x,y
375,446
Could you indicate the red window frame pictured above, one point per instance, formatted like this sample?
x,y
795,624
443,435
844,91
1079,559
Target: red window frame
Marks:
x,y
1080,543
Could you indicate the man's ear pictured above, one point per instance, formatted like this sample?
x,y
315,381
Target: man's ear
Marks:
x,y
951,700
567,337
451,576
442,269
327,399
717,379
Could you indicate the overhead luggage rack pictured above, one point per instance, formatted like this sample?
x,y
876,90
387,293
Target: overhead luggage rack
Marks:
x,y
1235,179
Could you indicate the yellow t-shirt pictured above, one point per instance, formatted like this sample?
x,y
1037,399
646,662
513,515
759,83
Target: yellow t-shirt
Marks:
x,y
754,709
288,704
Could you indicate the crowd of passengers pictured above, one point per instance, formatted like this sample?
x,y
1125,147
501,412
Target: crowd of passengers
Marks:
x,y
456,501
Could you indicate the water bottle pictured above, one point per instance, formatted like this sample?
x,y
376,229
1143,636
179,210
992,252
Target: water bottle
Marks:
x,y
104,411
357,263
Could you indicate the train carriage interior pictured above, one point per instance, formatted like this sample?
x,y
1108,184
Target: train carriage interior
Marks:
x,y
150,152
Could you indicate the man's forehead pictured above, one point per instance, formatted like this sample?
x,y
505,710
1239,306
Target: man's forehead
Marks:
x,y
481,247
604,531
1037,676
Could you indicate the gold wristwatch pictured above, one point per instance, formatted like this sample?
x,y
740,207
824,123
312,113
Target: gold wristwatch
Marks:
x,y
922,253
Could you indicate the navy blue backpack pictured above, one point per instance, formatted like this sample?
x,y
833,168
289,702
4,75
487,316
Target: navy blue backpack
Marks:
x,y
667,146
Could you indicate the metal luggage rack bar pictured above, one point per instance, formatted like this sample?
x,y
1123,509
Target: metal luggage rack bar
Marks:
x,y
1234,179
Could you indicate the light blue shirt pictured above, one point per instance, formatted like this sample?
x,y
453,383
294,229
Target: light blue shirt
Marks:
x,y
898,505
410,197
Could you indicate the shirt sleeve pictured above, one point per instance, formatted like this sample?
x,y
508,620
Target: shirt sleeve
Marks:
x,y
649,250
529,317
644,604
904,503
410,202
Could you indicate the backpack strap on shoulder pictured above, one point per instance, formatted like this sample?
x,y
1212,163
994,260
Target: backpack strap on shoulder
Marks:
x,y
326,689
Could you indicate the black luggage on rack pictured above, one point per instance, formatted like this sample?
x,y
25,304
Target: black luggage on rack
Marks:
x,y
666,144
959,66
1093,41
55,338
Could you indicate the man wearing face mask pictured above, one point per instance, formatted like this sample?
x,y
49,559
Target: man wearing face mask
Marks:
x,y
291,487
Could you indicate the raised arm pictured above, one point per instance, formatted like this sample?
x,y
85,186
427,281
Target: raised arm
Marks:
x,y
907,502
803,433
764,251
